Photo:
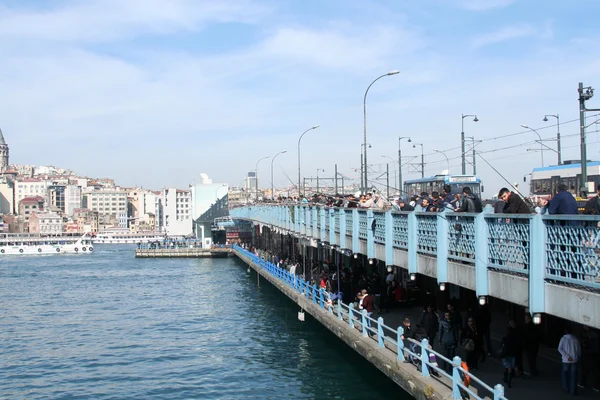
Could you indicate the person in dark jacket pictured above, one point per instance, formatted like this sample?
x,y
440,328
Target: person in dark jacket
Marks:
x,y
563,202
514,202
532,337
472,343
448,338
508,351
430,322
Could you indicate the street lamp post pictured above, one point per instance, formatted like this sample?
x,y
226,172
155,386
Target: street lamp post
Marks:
x,y
388,174
540,138
557,134
447,159
400,160
365,127
217,191
422,159
322,170
462,141
363,167
256,174
272,184
474,152
299,186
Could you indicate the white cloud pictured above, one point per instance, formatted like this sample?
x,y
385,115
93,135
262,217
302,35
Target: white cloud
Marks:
x,y
484,5
502,35
112,20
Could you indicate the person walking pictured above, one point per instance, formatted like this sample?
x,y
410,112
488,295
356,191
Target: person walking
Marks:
x,y
430,322
508,351
570,351
368,304
448,338
472,343
532,337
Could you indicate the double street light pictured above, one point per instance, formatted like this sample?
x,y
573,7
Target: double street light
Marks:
x,y
422,159
299,178
557,134
322,170
272,184
365,178
462,141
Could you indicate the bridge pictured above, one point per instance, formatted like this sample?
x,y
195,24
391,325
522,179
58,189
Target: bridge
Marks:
x,y
549,264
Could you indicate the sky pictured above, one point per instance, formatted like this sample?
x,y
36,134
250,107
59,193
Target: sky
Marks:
x,y
153,93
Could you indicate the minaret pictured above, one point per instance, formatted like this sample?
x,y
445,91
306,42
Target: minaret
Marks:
x,y
3,154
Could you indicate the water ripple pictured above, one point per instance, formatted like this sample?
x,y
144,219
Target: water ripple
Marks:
x,y
109,326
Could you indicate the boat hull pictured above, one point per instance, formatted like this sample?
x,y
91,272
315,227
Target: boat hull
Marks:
x,y
46,249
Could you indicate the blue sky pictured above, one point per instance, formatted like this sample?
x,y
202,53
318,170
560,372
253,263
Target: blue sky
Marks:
x,y
153,93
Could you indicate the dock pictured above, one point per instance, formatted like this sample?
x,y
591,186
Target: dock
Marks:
x,y
182,252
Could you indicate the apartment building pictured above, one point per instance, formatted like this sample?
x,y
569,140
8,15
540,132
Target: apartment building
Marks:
x,y
106,202
177,212
31,187
46,222
66,198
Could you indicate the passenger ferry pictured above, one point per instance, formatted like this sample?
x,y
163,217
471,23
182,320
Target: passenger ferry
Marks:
x,y
126,237
35,243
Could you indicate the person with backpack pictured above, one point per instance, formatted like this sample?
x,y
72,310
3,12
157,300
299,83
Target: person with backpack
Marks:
x,y
592,206
470,203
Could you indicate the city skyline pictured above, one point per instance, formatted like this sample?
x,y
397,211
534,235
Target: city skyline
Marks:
x,y
153,95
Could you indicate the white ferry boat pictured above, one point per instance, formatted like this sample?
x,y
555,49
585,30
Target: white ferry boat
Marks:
x,y
126,237
34,243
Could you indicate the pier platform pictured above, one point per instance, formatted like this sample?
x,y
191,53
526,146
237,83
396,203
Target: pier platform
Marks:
x,y
183,252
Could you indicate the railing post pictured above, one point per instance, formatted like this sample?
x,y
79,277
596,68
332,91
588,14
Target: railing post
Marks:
x,y
321,299
498,392
364,322
400,344
370,234
537,264
314,293
351,316
389,238
424,357
339,310
482,253
355,228
295,282
413,242
442,247
380,333
456,378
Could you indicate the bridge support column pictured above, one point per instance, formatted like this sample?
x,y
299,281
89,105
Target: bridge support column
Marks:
x,y
482,253
537,265
413,241
442,247
342,216
315,218
322,222
355,239
296,219
370,234
331,225
389,238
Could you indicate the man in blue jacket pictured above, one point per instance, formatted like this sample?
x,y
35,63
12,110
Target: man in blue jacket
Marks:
x,y
563,202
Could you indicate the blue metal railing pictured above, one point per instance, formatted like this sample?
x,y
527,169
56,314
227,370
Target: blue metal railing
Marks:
x,y
570,245
420,354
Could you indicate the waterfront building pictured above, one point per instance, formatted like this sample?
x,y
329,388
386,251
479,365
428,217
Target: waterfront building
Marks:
x,y
45,222
87,220
66,198
143,208
14,223
108,202
7,195
31,187
177,212
3,154
28,206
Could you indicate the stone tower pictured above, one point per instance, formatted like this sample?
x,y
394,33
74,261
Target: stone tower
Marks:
x,y
3,154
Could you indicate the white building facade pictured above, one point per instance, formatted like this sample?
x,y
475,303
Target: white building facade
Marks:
x,y
106,202
31,187
177,212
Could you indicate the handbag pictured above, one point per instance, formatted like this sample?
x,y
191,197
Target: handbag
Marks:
x,y
468,344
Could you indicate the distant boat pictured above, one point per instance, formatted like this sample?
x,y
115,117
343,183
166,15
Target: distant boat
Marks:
x,y
126,237
35,243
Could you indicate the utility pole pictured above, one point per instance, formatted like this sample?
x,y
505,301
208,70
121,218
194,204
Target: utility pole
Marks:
x,y
583,96
336,174
362,180
387,170
474,162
